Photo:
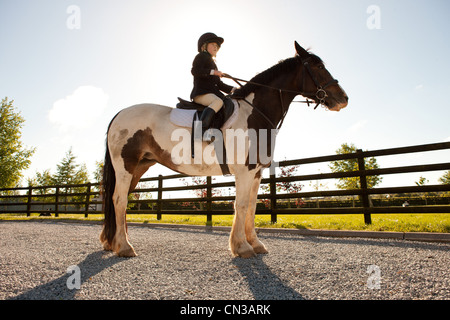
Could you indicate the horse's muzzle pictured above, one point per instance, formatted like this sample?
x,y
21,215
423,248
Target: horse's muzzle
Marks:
x,y
340,104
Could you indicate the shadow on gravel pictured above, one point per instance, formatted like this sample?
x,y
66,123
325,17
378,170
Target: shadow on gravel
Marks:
x,y
57,289
263,283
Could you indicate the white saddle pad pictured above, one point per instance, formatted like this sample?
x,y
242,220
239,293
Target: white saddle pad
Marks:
x,y
183,117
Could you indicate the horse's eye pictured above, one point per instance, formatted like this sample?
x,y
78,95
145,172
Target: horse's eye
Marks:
x,y
321,66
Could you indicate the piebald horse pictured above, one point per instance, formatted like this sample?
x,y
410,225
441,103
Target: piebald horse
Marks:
x,y
141,135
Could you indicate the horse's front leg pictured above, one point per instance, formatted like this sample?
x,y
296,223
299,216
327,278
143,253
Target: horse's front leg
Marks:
x,y
250,232
238,241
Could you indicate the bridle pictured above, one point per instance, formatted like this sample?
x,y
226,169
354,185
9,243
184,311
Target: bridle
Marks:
x,y
320,93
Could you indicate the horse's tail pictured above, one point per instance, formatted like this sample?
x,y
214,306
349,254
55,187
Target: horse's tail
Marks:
x,y
108,185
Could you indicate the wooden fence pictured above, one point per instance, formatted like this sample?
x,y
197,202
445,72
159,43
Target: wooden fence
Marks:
x,y
85,198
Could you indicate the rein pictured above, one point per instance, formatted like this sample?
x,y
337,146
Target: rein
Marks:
x,y
320,94
251,104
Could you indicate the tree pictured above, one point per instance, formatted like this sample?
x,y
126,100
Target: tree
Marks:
x,y
290,187
445,179
69,172
98,173
422,181
352,165
14,157
286,186
41,179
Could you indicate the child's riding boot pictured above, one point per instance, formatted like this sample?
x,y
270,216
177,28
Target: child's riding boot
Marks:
x,y
206,119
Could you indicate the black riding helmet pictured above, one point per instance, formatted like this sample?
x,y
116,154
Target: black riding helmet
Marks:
x,y
208,38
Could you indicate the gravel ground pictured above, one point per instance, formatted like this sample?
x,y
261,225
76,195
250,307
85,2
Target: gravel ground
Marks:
x,y
190,264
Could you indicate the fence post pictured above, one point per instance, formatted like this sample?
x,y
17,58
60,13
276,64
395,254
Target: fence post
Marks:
x,y
30,191
364,191
208,200
88,200
159,202
57,202
273,194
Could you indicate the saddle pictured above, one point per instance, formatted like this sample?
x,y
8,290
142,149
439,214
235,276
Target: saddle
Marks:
x,y
189,105
219,119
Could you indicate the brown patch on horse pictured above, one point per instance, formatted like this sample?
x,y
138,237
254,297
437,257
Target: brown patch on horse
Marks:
x,y
141,151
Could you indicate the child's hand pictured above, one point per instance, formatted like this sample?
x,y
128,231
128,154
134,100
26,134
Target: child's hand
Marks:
x,y
218,73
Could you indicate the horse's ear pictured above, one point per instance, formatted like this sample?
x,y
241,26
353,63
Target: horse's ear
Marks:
x,y
301,52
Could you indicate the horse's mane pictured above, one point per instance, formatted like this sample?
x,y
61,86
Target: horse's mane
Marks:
x,y
268,75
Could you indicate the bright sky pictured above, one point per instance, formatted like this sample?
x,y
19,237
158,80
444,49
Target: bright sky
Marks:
x,y
70,66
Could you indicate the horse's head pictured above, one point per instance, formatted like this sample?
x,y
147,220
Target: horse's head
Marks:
x,y
318,84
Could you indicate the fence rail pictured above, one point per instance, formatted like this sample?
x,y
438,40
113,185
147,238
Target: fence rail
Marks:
x,y
83,199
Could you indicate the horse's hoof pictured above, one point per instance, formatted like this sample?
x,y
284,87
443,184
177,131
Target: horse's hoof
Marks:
x,y
125,250
260,249
247,254
243,249
246,251
107,246
128,253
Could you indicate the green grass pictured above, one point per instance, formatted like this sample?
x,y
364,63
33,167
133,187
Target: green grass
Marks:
x,y
380,222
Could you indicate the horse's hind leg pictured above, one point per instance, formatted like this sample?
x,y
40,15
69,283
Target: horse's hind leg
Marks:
x,y
126,182
120,244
